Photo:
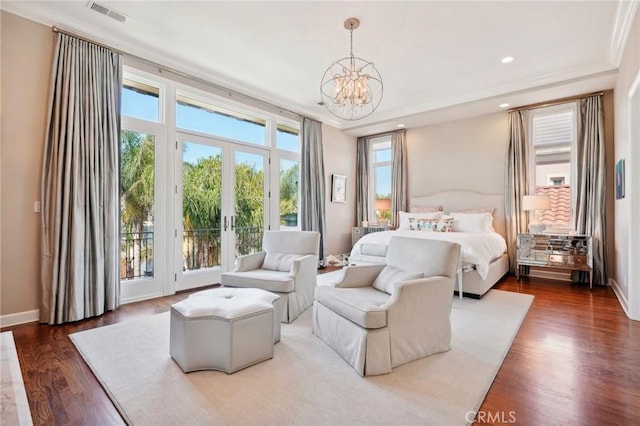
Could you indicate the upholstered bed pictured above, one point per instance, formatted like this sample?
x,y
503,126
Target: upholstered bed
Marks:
x,y
484,258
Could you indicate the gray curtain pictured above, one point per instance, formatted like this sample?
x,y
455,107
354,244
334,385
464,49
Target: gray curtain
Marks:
x,y
312,184
399,180
363,149
80,207
591,182
516,181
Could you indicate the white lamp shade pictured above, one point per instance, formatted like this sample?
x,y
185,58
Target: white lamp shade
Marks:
x,y
536,202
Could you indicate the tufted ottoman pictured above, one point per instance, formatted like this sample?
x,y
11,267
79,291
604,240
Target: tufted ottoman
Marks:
x,y
224,329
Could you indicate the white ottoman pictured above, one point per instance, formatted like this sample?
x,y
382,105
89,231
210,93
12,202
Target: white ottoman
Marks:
x,y
225,329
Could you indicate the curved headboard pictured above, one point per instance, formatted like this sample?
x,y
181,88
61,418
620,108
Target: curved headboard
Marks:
x,y
466,200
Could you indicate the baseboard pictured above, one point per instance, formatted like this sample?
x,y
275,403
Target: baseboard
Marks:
x,y
620,295
19,318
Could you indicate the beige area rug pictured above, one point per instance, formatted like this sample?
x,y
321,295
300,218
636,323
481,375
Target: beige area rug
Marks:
x,y
14,407
306,383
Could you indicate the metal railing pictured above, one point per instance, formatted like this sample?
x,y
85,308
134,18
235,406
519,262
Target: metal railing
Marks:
x,y
136,255
201,248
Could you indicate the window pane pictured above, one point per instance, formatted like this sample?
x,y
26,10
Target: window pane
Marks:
x,y
140,100
249,194
553,135
137,180
195,115
289,188
288,138
201,206
382,155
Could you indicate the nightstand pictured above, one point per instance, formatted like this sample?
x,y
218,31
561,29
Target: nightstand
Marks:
x,y
559,251
358,231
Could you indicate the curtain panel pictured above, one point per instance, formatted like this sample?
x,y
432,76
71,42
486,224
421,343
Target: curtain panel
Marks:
x,y
516,182
312,183
591,182
399,179
80,206
363,149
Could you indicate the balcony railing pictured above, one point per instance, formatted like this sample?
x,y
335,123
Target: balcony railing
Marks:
x,y
201,248
136,255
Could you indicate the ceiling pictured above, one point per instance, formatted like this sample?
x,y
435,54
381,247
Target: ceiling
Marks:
x,y
439,60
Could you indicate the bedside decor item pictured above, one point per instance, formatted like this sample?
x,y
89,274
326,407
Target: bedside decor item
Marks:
x,y
534,203
351,88
338,188
620,179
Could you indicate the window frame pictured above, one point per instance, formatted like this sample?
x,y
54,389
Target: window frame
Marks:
x,y
573,157
377,144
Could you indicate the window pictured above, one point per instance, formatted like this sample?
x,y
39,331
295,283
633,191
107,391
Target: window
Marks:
x,y
289,193
381,168
204,117
140,100
288,138
553,135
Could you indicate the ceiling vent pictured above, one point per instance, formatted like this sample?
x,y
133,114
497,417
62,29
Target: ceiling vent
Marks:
x,y
121,17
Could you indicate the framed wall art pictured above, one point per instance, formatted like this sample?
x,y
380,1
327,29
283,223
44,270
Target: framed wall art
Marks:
x,y
338,188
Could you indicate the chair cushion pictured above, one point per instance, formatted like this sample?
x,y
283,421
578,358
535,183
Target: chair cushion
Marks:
x,y
361,305
391,275
279,261
277,281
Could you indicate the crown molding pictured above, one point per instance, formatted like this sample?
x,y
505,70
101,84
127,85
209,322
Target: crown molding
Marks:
x,y
622,26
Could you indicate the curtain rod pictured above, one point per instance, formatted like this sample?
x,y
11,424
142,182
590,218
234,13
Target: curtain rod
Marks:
x,y
162,68
556,102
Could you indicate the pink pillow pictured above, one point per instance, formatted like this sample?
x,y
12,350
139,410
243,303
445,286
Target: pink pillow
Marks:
x,y
425,209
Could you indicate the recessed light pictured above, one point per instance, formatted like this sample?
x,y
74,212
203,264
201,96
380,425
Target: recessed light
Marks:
x,y
507,59
503,105
400,125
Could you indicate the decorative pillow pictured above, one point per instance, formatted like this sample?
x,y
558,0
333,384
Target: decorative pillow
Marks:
x,y
480,210
374,249
445,224
425,209
472,222
404,218
390,275
279,261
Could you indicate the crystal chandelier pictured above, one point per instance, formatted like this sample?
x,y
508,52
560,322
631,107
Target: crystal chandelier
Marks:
x,y
351,87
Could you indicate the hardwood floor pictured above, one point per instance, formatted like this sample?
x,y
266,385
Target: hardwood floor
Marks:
x,y
576,360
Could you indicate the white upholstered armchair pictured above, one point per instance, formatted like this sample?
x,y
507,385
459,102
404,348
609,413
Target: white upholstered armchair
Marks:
x,y
381,316
288,266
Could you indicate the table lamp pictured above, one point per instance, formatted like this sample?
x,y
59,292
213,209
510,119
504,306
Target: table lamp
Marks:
x,y
534,203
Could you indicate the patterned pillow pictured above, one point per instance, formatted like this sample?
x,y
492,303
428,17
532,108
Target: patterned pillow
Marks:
x,y
431,225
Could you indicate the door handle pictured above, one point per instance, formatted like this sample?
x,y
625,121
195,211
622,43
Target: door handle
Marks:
x,y
225,223
233,223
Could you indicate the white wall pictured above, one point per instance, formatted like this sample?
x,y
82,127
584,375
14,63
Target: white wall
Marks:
x,y
627,240
465,154
339,158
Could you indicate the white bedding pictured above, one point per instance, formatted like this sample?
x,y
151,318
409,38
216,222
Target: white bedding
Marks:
x,y
478,249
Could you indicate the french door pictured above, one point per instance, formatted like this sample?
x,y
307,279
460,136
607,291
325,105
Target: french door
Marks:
x,y
221,206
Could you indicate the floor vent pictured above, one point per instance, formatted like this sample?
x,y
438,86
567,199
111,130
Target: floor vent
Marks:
x,y
121,17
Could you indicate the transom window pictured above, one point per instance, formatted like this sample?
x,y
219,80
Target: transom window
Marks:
x,y
140,100
200,116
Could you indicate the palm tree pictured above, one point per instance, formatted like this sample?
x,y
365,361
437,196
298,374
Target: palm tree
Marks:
x,y
136,191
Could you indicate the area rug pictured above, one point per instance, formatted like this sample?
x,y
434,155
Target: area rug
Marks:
x,y
14,407
306,383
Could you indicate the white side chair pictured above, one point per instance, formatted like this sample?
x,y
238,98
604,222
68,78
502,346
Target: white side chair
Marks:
x,y
287,266
378,317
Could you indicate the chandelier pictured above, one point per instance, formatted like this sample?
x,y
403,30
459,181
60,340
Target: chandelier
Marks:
x,y
351,87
